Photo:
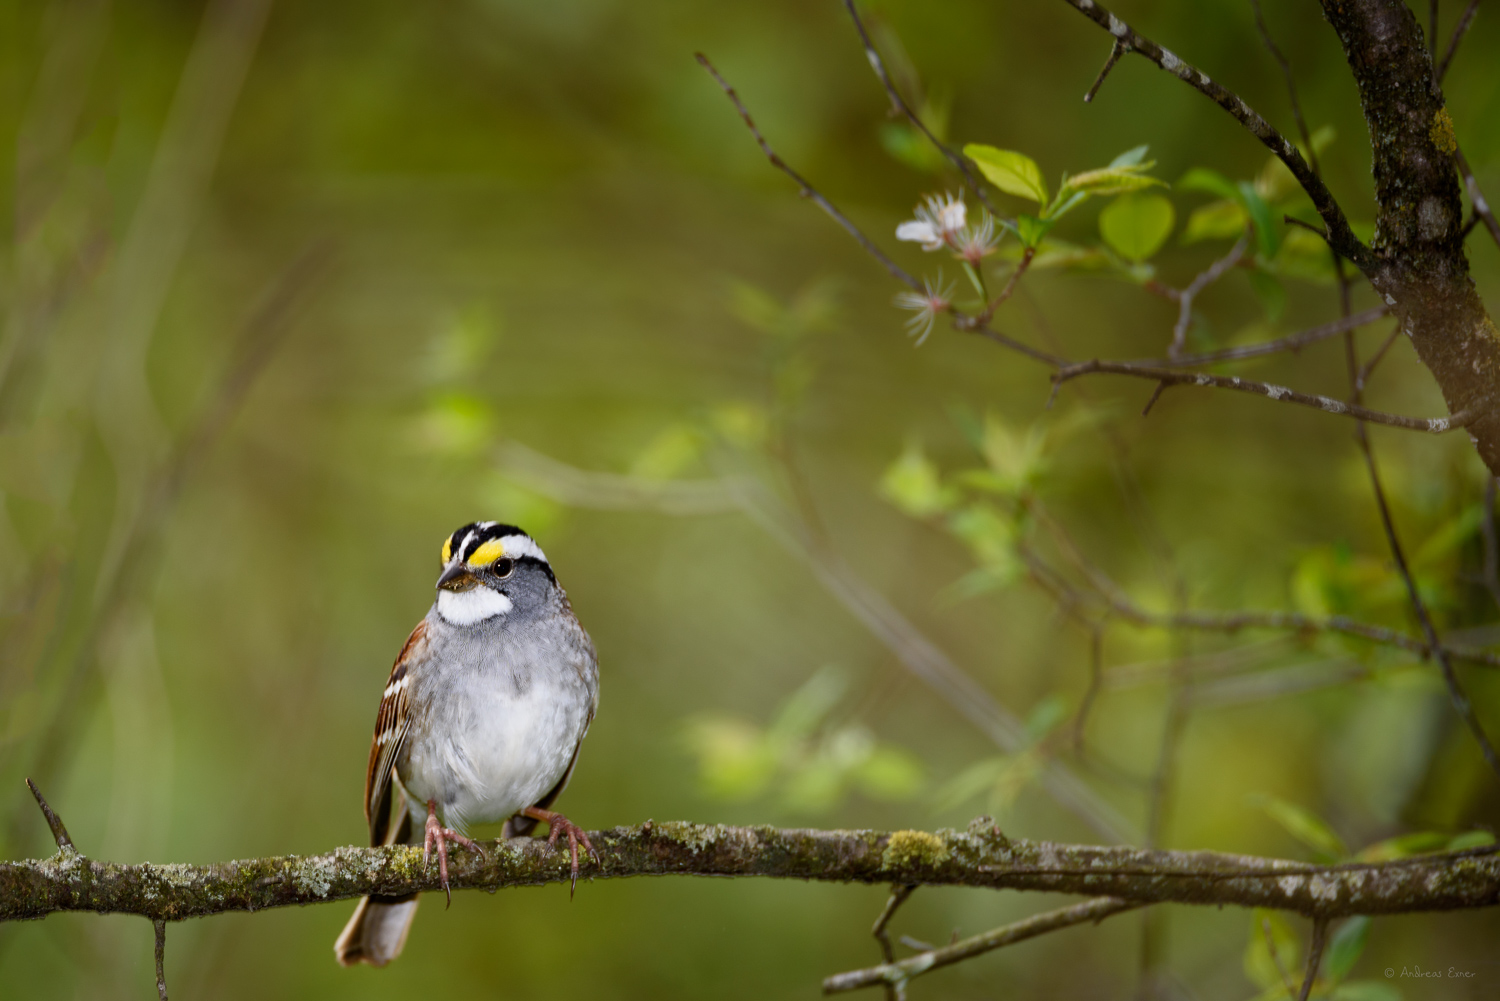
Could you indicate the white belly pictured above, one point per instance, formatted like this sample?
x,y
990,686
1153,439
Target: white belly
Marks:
x,y
504,747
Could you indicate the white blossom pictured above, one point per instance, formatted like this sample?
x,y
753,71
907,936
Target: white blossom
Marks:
x,y
939,220
925,305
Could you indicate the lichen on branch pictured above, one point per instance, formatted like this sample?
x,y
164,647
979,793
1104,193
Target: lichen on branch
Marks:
x,y
979,857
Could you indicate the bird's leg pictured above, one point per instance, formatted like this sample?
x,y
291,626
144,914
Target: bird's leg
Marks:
x,y
436,832
558,824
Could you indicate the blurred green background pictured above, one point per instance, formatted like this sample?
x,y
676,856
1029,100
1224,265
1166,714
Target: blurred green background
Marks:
x,y
288,284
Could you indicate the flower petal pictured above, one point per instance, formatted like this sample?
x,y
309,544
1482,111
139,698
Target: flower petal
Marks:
x,y
918,231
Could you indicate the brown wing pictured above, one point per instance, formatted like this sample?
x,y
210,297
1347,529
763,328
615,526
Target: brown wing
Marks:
x,y
391,723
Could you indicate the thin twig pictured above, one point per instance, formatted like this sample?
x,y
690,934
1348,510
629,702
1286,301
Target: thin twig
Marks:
x,y
1458,33
54,822
1368,368
1456,693
898,103
1319,931
1340,234
1115,52
1491,546
1121,605
897,991
1096,681
1481,206
1292,342
1430,425
1432,23
807,190
1291,86
161,956
1281,970
1215,271
1094,911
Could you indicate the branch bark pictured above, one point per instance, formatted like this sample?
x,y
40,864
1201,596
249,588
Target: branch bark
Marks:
x,y
980,857
1419,264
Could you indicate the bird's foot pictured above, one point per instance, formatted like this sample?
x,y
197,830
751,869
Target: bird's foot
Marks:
x,y
559,825
440,835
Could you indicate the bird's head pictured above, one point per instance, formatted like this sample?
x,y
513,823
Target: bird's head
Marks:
x,y
489,569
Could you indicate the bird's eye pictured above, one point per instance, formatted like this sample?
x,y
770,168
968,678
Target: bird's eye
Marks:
x,y
504,568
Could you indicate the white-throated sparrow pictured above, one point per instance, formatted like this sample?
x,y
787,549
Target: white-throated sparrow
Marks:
x,y
481,720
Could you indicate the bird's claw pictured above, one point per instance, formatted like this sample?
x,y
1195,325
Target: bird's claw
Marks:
x,y
437,834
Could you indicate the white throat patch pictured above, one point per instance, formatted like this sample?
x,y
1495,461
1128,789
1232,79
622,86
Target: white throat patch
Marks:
x,y
464,608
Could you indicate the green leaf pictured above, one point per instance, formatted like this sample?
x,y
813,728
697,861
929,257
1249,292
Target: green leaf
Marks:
x,y
800,714
1031,230
1271,948
1221,220
1271,292
989,534
1210,181
1345,947
969,783
1011,172
1135,226
1267,236
735,761
904,143
1304,255
673,450
890,773
912,484
1471,839
1130,157
1113,180
1365,990
1404,846
1304,825
1045,716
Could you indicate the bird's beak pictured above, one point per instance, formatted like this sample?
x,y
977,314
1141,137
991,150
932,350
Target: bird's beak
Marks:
x,y
457,577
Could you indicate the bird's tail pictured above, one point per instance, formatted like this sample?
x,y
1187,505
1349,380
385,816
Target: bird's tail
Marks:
x,y
377,931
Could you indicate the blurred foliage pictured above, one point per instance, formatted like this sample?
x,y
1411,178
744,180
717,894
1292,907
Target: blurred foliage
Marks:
x,y
815,764
220,520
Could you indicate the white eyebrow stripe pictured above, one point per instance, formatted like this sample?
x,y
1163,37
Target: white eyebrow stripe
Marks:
x,y
522,545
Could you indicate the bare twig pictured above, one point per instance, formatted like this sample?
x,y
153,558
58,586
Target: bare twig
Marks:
x,y
1368,368
1458,33
1431,425
1215,271
1291,85
161,956
899,105
1269,935
1482,209
807,190
1320,927
893,991
1096,681
1456,693
1292,342
54,822
1116,50
1340,235
1120,604
1491,546
896,975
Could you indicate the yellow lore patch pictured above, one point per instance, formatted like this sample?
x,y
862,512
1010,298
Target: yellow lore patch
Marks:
x,y
447,550
487,553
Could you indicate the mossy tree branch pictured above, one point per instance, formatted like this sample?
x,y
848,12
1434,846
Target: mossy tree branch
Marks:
x,y
980,857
